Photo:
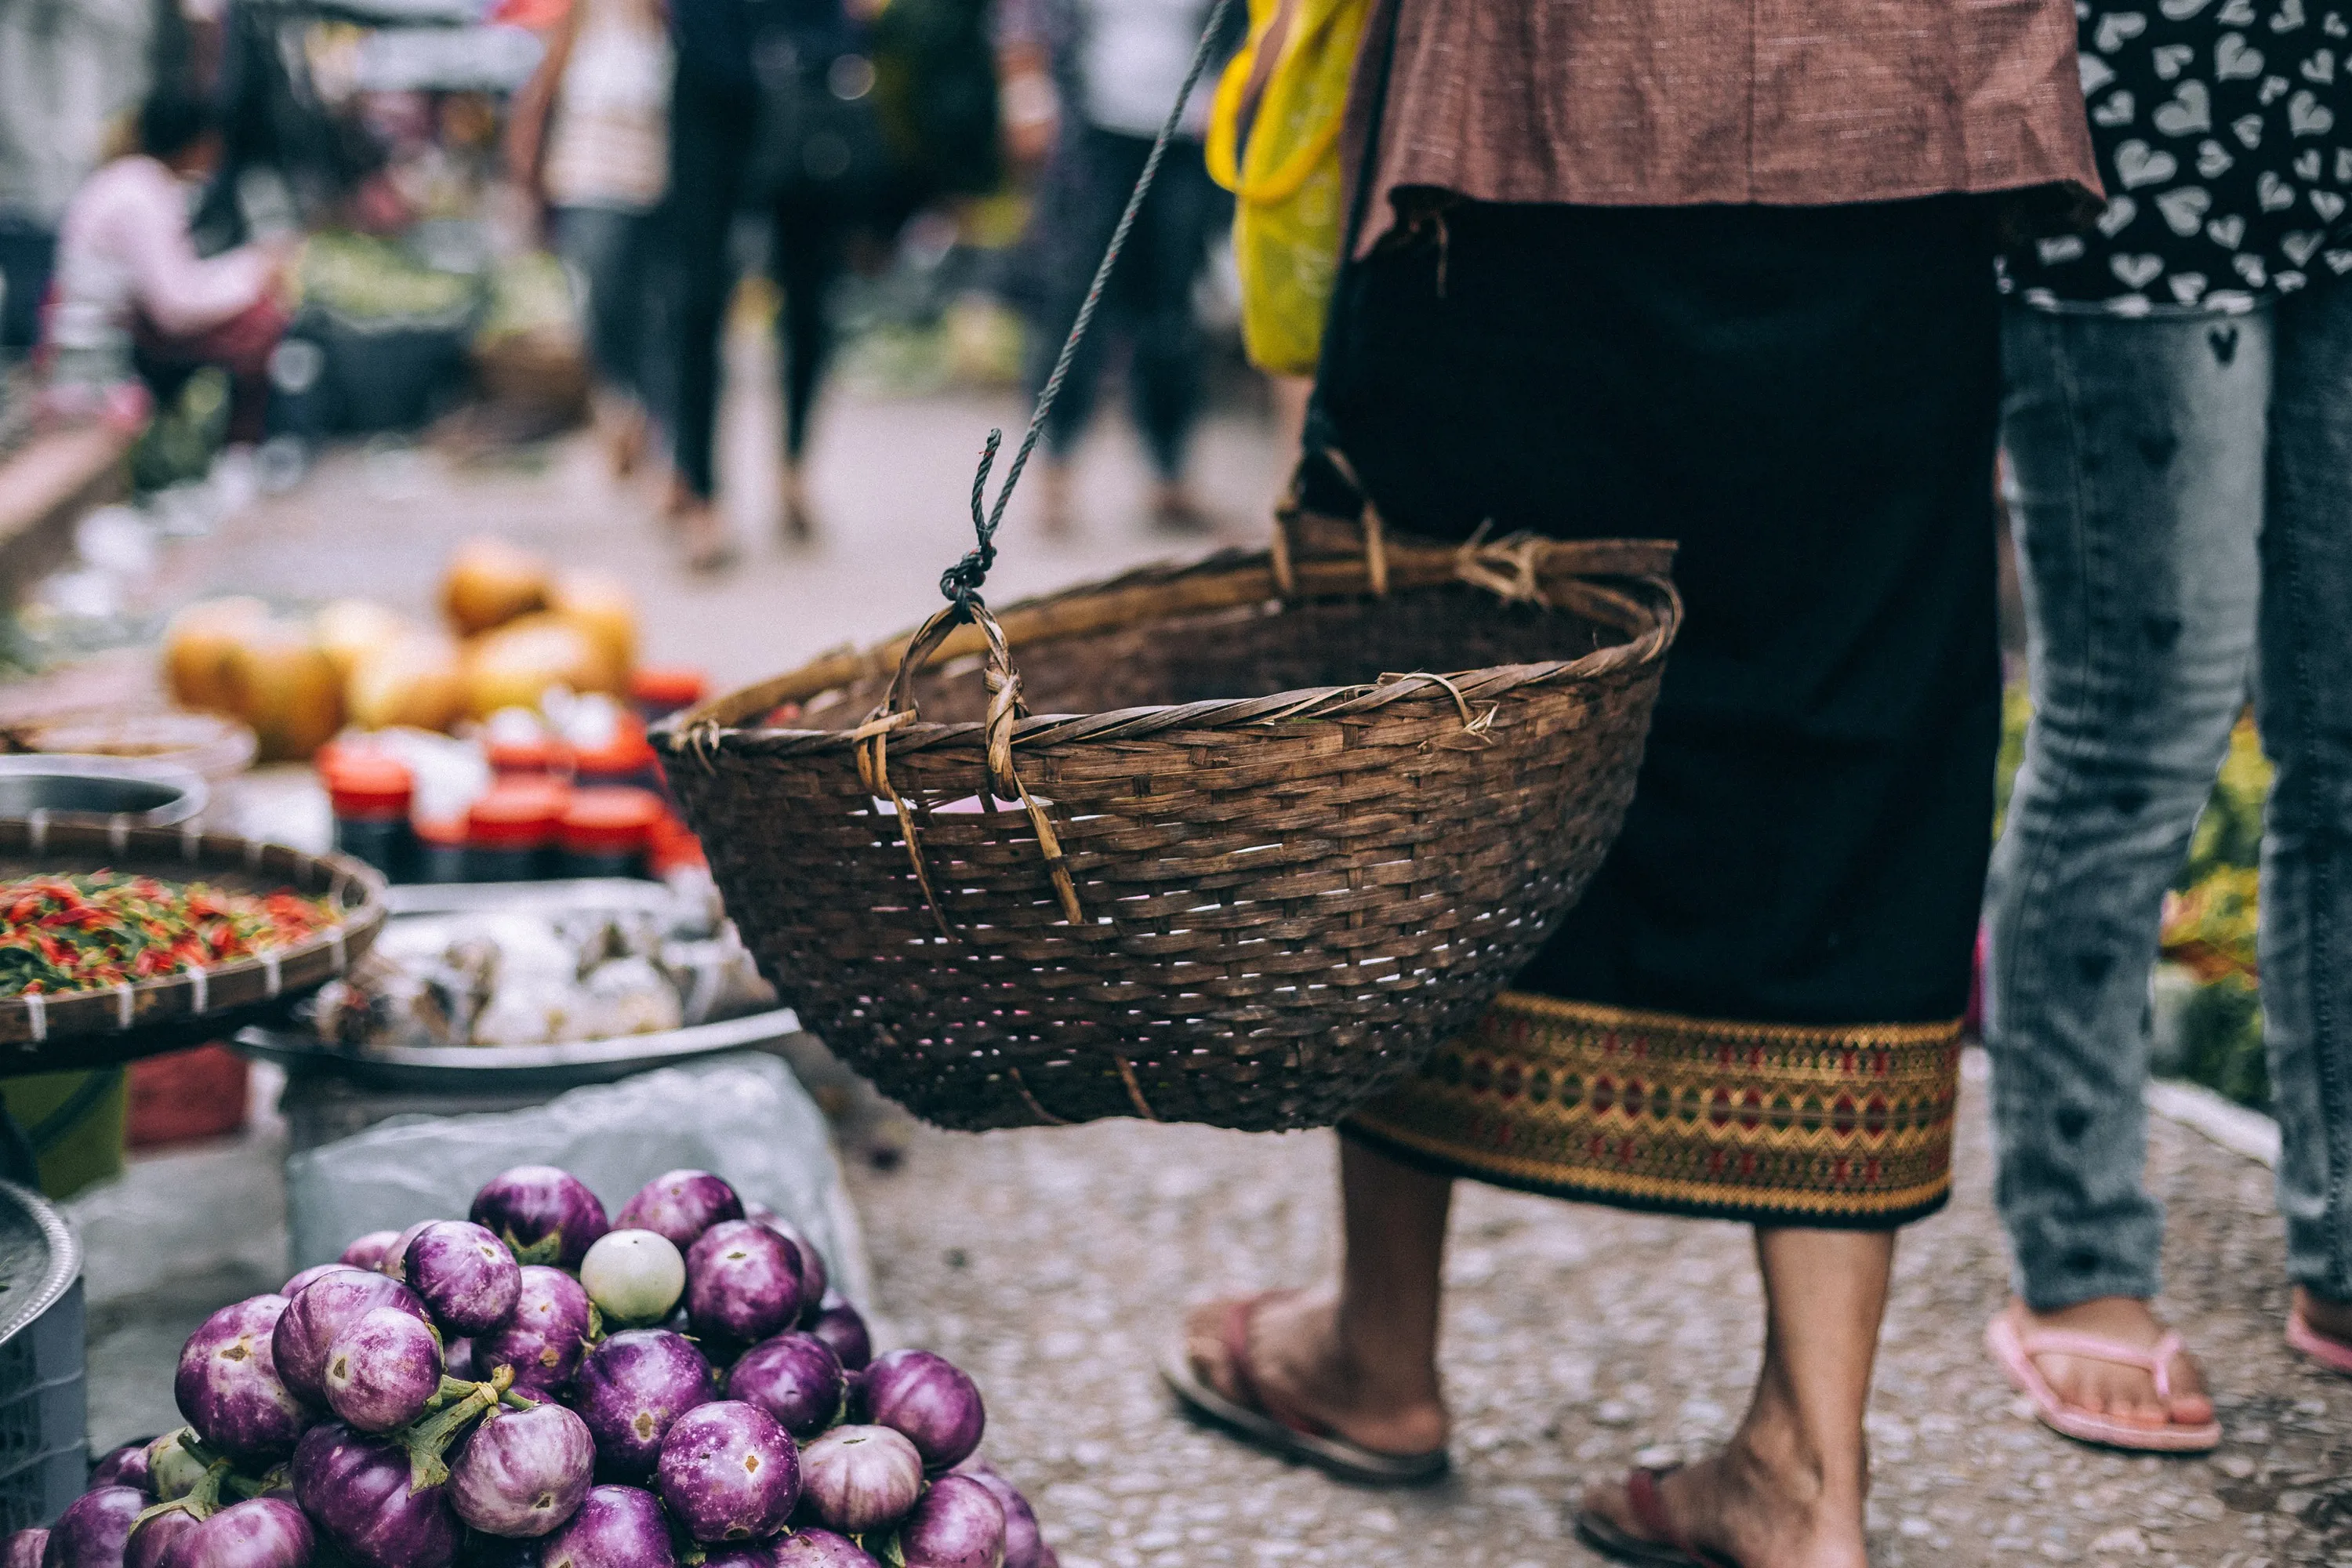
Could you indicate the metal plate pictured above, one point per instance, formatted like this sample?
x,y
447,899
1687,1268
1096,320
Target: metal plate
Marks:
x,y
499,1070
39,1258
62,787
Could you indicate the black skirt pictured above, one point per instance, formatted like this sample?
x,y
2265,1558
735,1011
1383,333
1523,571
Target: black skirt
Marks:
x,y
1754,1010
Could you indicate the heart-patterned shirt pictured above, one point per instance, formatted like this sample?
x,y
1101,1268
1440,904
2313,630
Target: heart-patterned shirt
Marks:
x,y
2225,139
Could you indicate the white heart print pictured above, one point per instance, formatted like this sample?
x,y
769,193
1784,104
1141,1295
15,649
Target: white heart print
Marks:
x,y
2333,26
2186,286
2320,68
2184,208
2233,58
2136,271
2339,261
2096,73
2171,59
2328,204
2302,245
2288,17
2306,116
2273,89
2236,14
2065,247
2251,269
2189,109
2248,128
2181,10
2138,165
2212,159
2226,232
2116,110
2273,193
2307,164
2117,28
2117,215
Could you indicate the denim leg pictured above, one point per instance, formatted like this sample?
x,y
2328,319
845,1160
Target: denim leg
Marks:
x,y
2138,451
2305,704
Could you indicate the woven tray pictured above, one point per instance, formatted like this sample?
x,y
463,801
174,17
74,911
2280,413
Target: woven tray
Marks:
x,y
1273,836
82,1029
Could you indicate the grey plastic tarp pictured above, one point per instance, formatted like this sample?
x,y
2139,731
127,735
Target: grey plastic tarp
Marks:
x,y
743,1116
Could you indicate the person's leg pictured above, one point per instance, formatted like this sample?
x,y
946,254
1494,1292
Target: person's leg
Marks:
x,y
1362,1358
710,128
2306,710
810,245
1172,242
1789,1488
2136,452
1084,193
599,248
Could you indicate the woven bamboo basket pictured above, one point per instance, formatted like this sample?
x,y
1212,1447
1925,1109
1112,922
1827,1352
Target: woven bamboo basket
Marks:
x,y
1276,828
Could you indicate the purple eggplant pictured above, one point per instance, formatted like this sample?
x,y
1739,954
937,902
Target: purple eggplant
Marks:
x,y
632,1387
740,1554
927,1398
813,1276
457,1361
357,1490
93,1531
543,1340
123,1466
617,1526
228,1386
821,1549
469,1280
544,1215
24,1549
837,1323
1024,1544
958,1524
857,1478
331,1304
307,1278
742,1283
796,1378
523,1472
395,1261
381,1370
264,1533
152,1539
728,1473
682,1206
368,1251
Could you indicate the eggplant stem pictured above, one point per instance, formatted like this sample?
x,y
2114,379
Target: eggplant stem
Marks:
x,y
201,1502
428,1437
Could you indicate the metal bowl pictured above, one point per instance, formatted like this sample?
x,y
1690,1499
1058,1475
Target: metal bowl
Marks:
x,y
102,789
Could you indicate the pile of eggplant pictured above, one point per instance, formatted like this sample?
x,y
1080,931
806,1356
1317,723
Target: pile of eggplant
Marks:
x,y
538,1386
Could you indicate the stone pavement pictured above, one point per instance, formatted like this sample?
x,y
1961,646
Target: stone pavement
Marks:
x,y
1056,1263
1056,1266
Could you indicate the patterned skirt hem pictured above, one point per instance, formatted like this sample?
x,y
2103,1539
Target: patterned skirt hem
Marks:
x,y
1837,1127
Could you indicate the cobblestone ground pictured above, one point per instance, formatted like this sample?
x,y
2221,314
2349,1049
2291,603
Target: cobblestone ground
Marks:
x,y
1057,1264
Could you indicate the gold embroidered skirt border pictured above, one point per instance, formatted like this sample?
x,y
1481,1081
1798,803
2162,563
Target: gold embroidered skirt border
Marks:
x,y
1848,1127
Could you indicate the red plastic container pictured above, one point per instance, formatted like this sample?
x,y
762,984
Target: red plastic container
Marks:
x,y
187,1095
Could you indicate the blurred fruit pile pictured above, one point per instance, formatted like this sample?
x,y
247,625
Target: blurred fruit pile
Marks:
x,y
514,628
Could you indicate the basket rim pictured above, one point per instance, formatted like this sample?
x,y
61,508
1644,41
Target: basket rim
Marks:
x,y
1621,581
220,989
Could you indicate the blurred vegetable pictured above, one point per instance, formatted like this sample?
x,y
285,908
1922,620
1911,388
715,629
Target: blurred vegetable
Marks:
x,y
228,1384
959,1523
633,1276
545,1215
682,1206
855,1479
742,1283
489,583
523,1472
926,1397
469,1281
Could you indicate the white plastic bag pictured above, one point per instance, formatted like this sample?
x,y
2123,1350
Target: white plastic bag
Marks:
x,y
743,1116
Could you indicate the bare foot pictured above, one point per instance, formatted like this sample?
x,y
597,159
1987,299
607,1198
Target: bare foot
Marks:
x,y
2333,1319
628,433
1054,496
1759,1504
1175,508
2123,1394
1297,1365
703,538
799,520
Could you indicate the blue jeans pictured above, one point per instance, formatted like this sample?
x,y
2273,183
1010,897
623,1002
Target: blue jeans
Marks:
x,y
2184,521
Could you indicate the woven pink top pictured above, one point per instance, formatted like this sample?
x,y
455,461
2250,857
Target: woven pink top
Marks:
x,y
1683,102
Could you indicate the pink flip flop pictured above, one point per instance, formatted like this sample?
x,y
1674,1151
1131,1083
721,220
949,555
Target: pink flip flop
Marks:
x,y
2016,1351
1660,1544
2333,1353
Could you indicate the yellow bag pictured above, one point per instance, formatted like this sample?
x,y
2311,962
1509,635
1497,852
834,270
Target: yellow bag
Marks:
x,y
1289,207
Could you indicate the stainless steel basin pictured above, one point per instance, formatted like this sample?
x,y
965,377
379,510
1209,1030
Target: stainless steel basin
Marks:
x,y
99,789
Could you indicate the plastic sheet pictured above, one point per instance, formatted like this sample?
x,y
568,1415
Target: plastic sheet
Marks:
x,y
743,1116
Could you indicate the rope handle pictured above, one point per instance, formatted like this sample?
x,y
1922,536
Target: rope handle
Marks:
x,y
1293,511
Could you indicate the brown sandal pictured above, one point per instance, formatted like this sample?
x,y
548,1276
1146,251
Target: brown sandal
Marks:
x,y
1659,1543
1290,1434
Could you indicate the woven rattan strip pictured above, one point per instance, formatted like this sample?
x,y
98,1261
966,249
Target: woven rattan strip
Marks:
x,y
1286,897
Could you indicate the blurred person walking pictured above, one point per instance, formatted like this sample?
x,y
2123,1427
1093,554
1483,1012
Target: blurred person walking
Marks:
x,y
768,111
1749,303
132,298
1117,66
589,136
2179,421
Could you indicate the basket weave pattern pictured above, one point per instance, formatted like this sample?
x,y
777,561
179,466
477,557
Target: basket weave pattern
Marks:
x,y
1286,900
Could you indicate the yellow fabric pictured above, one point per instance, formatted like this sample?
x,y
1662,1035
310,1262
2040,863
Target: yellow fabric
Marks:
x,y
1289,205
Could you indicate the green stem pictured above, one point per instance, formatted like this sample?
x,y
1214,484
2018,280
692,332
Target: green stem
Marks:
x,y
429,1437
201,1502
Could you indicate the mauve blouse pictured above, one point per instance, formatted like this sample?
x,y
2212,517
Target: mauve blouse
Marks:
x,y
1686,103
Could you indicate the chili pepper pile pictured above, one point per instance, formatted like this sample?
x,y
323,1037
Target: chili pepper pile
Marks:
x,y
103,928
